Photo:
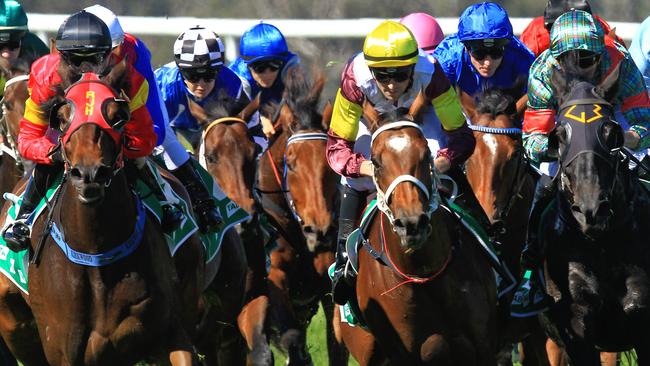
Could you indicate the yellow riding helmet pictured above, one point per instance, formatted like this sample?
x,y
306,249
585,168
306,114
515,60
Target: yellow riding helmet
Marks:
x,y
391,44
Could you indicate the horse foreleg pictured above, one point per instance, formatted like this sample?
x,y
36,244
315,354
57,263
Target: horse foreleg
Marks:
x,y
251,325
181,358
338,354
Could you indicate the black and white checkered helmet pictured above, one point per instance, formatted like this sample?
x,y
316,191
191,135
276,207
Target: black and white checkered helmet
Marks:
x,y
198,48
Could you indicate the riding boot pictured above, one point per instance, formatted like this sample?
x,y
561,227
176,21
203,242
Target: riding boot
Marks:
x,y
172,216
204,205
530,297
18,234
351,200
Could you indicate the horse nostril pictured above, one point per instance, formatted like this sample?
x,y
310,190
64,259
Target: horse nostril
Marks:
x,y
308,229
399,223
576,208
75,173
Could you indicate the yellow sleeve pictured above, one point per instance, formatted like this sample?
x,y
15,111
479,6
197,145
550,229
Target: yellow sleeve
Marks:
x,y
140,97
34,113
345,117
448,109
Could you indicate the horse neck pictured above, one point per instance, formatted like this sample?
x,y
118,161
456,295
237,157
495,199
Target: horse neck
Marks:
x,y
100,227
431,258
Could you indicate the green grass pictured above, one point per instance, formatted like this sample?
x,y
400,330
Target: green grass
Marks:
x,y
316,343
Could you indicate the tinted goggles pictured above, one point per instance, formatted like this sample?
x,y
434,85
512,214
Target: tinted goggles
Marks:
x,y
76,59
587,59
482,53
11,45
398,74
260,67
194,76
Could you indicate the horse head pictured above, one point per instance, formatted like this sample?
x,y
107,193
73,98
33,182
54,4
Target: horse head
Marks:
x,y
15,73
403,171
228,148
497,166
90,116
310,183
586,142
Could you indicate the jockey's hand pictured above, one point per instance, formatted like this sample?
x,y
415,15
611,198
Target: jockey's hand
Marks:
x,y
631,140
267,127
367,169
442,164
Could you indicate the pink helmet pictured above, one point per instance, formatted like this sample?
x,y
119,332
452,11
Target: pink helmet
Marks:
x,y
426,30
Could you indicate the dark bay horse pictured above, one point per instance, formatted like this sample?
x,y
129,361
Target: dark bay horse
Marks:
x,y
425,291
299,192
12,166
230,155
595,242
119,302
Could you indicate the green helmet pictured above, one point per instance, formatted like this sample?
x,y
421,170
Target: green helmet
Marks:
x,y
13,21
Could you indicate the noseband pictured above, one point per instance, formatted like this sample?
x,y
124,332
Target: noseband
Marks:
x,y
383,197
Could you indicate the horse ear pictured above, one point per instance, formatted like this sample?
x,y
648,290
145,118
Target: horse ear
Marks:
x,y
612,33
416,107
327,115
467,102
608,85
197,112
117,74
53,49
285,116
557,135
371,116
251,108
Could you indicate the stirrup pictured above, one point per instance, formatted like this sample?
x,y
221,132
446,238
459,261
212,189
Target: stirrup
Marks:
x,y
208,216
17,236
172,217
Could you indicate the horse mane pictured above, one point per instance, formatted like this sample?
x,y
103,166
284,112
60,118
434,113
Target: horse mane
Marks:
x,y
302,96
496,101
223,105
11,68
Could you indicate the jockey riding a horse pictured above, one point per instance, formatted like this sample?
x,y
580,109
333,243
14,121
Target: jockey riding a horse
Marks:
x,y
16,41
198,73
484,53
578,43
174,155
389,73
84,44
262,65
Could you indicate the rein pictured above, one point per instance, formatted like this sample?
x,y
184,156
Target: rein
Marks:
x,y
495,130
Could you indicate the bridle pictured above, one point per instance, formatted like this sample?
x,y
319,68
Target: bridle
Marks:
x,y
383,197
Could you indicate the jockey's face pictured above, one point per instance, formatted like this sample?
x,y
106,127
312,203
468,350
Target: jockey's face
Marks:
x,y
486,61
265,72
392,82
201,81
10,50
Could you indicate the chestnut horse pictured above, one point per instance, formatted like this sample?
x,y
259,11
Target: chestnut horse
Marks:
x,y
116,300
230,155
298,191
12,166
424,289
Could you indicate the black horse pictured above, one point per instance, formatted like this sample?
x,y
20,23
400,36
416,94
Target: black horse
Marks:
x,y
596,242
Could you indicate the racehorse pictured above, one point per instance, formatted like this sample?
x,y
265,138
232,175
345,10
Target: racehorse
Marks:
x,y
230,156
12,166
299,192
101,279
595,246
501,179
424,290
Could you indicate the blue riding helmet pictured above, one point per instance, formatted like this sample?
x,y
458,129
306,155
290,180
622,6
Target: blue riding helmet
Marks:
x,y
263,42
484,21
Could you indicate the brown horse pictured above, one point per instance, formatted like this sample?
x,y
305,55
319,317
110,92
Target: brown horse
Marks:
x,y
12,166
424,288
120,304
230,156
299,192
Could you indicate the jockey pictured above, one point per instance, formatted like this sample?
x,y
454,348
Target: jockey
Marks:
x,y
389,73
640,50
16,41
198,73
176,158
578,42
84,44
425,29
264,56
536,36
484,53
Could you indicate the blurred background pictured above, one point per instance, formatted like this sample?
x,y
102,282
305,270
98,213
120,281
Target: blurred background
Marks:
x,y
328,54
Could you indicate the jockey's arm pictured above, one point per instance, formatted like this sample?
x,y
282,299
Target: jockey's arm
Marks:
x,y
33,144
539,116
460,140
341,136
139,132
635,106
